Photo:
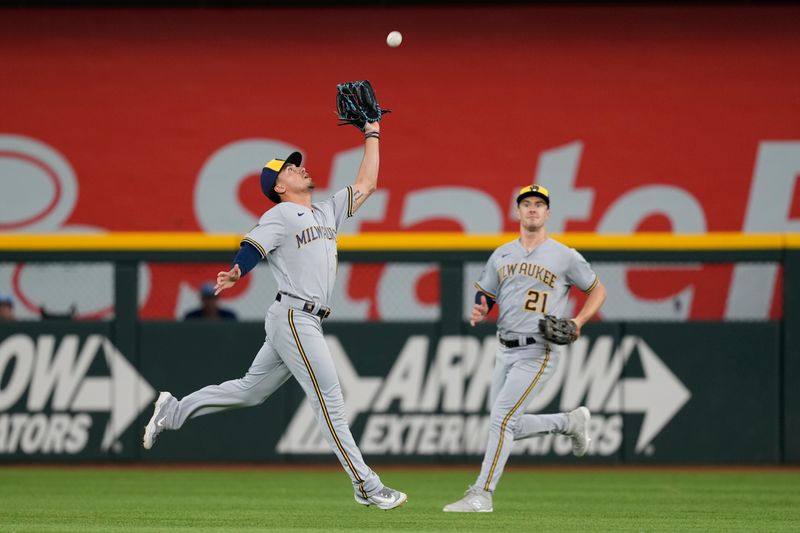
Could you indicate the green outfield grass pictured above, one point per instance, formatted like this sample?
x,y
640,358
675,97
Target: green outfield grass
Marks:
x,y
129,499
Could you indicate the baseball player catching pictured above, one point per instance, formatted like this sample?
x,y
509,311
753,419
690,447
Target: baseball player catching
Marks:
x,y
529,279
298,240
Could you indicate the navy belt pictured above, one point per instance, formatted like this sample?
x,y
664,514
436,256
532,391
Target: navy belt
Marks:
x,y
515,343
308,307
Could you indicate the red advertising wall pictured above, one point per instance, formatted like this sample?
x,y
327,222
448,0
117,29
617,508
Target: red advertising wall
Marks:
x,y
637,118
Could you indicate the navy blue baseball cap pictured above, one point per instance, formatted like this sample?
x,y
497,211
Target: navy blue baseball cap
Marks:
x,y
207,289
6,300
270,173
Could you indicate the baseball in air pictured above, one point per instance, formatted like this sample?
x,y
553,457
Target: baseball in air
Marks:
x,y
394,39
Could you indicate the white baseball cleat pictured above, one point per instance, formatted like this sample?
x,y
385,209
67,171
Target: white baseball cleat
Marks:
x,y
385,499
475,500
156,424
578,429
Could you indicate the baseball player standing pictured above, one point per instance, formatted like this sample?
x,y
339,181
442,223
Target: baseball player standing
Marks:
x,y
527,278
298,240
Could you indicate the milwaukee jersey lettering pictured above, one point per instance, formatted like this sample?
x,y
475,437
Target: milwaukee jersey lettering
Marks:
x,y
528,285
299,244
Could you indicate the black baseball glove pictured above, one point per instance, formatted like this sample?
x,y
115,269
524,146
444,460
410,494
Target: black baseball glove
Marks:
x,y
558,330
356,104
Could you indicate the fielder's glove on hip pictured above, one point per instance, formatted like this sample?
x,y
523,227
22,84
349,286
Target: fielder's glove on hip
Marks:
x,y
558,330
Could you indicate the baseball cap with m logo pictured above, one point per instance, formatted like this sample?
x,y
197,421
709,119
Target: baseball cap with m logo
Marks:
x,y
534,190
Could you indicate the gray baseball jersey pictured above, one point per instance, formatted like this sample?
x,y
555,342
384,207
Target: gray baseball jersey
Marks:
x,y
527,285
300,244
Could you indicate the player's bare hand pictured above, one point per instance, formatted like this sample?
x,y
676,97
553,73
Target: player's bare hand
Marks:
x,y
578,323
226,280
479,311
372,126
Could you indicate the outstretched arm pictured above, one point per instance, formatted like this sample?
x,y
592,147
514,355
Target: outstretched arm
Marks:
x,y
246,259
367,177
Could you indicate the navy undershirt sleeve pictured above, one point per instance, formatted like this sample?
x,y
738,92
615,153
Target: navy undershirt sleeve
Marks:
x,y
247,258
489,300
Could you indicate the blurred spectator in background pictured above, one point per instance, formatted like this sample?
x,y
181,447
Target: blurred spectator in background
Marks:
x,y
209,307
6,307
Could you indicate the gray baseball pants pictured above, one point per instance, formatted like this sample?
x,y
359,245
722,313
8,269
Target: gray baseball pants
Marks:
x,y
519,373
294,346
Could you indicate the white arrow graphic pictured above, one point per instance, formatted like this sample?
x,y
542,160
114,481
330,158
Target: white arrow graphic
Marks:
x,y
659,395
124,393
302,435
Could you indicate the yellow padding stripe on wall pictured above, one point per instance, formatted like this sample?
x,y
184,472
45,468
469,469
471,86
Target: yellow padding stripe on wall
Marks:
x,y
172,241
399,241
580,241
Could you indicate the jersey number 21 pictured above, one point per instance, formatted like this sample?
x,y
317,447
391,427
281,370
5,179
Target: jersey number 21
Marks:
x,y
536,302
